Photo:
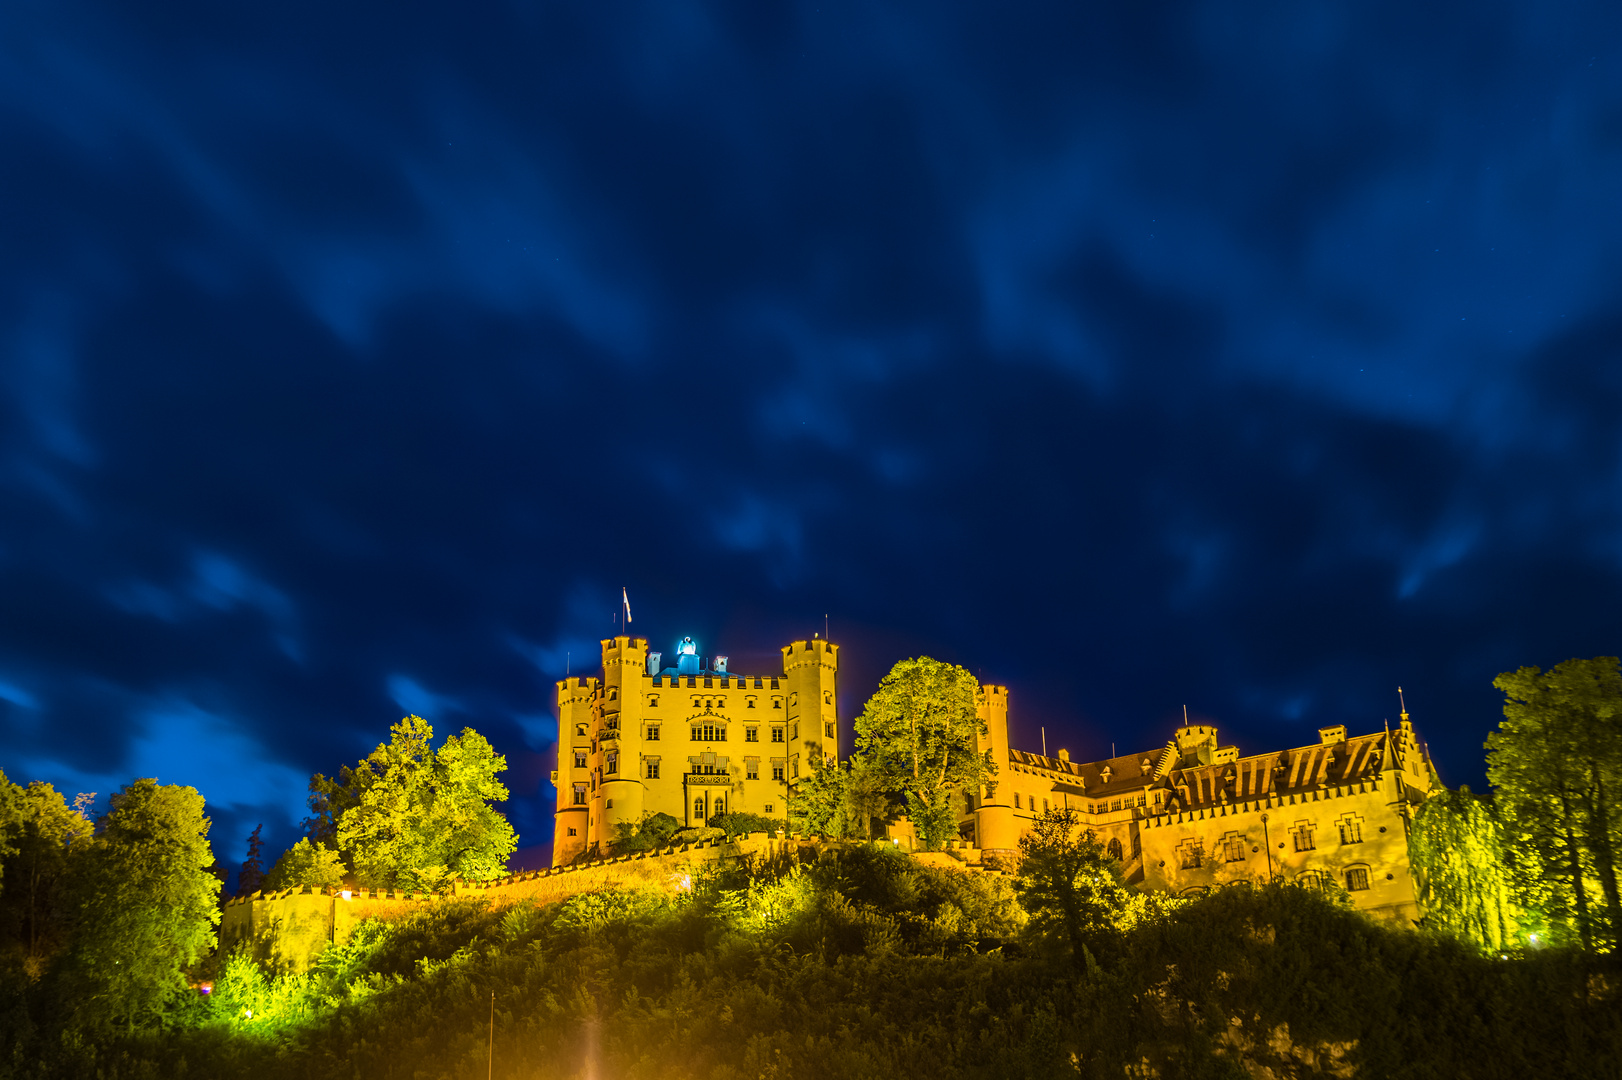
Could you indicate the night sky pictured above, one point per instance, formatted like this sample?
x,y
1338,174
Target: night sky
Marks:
x,y
1258,359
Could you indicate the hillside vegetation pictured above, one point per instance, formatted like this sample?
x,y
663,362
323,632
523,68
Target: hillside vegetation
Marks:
x,y
866,963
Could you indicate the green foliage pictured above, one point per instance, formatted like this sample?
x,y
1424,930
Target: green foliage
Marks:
x,y
407,816
839,800
653,831
738,823
44,834
1461,880
145,906
919,733
1071,887
1556,764
306,864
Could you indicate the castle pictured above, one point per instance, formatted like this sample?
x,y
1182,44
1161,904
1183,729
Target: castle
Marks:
x,y
1182,818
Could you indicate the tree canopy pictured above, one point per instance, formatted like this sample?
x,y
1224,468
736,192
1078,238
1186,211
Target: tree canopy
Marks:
x,y
304,864
1461,880
1069,884
146,904
1556,764
919,733
409,816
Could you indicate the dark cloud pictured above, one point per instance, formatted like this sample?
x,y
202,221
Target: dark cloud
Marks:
x,y
1135,357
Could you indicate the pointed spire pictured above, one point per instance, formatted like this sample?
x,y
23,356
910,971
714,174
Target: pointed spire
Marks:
x,y
1403,703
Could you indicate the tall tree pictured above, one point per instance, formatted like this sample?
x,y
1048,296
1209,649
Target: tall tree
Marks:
x,y
251,878
409,816
1556,762
1068,883
306,864
919,732
32,909
147,905
1461,879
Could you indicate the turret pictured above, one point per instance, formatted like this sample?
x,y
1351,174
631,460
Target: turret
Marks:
x,y
809,672
572,777
996,830
619,736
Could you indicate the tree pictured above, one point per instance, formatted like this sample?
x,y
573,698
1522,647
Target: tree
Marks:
x,y
654,830
919,732
146,905
1069,884
251,878
1556,762
41,841
1464,887
306,864
409,816
839,800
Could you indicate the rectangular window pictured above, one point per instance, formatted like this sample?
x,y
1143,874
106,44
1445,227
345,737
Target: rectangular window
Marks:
x,y
1016,800
777,772
794,731
769,807
697,731
751,734
653,770
751,770
580,759
777,734
612,763
828,729
1357,879
794,766
580,794
1044,806
1351,831
653,732
1116,805
1233,849
1303,838
572,832
1192,857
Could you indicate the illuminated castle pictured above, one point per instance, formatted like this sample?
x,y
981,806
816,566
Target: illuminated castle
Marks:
x,y
1193,814
693,741
687,740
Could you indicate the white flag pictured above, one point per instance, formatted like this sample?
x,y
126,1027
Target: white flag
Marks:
x,y
626,597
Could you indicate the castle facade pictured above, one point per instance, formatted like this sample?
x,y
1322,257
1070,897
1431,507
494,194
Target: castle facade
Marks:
x,y
689,739
693,740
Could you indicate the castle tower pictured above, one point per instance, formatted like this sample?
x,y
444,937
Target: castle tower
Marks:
x,y
619,744
572,778
809,672
996,830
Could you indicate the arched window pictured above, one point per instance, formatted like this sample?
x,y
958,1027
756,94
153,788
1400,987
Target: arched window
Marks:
x,y
1114,849
613,693
827,697
1357,878
698,809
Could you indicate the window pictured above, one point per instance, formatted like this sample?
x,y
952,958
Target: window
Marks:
x,y
777,703
653,769
751,770
1351,829
794,766
751,734
1233,849
580,794
1044,806
777,734
580,759
609,805
612,762
720,703
653,701
580,731
1192,857
698,809
768,807
720,806
1116,805
777,772
1357,879
1157,797
794,731
1016,800
828,729
1303,836
572,832
827,697
653,732
1114,849
794,699
749,702
709,733
613,694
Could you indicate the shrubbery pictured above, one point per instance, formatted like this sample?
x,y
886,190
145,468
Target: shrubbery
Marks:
x,y
866,963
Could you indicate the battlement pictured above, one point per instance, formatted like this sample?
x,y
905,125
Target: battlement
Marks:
x,y
816,651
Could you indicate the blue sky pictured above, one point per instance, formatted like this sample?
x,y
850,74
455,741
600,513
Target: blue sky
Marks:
x,y
351,361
